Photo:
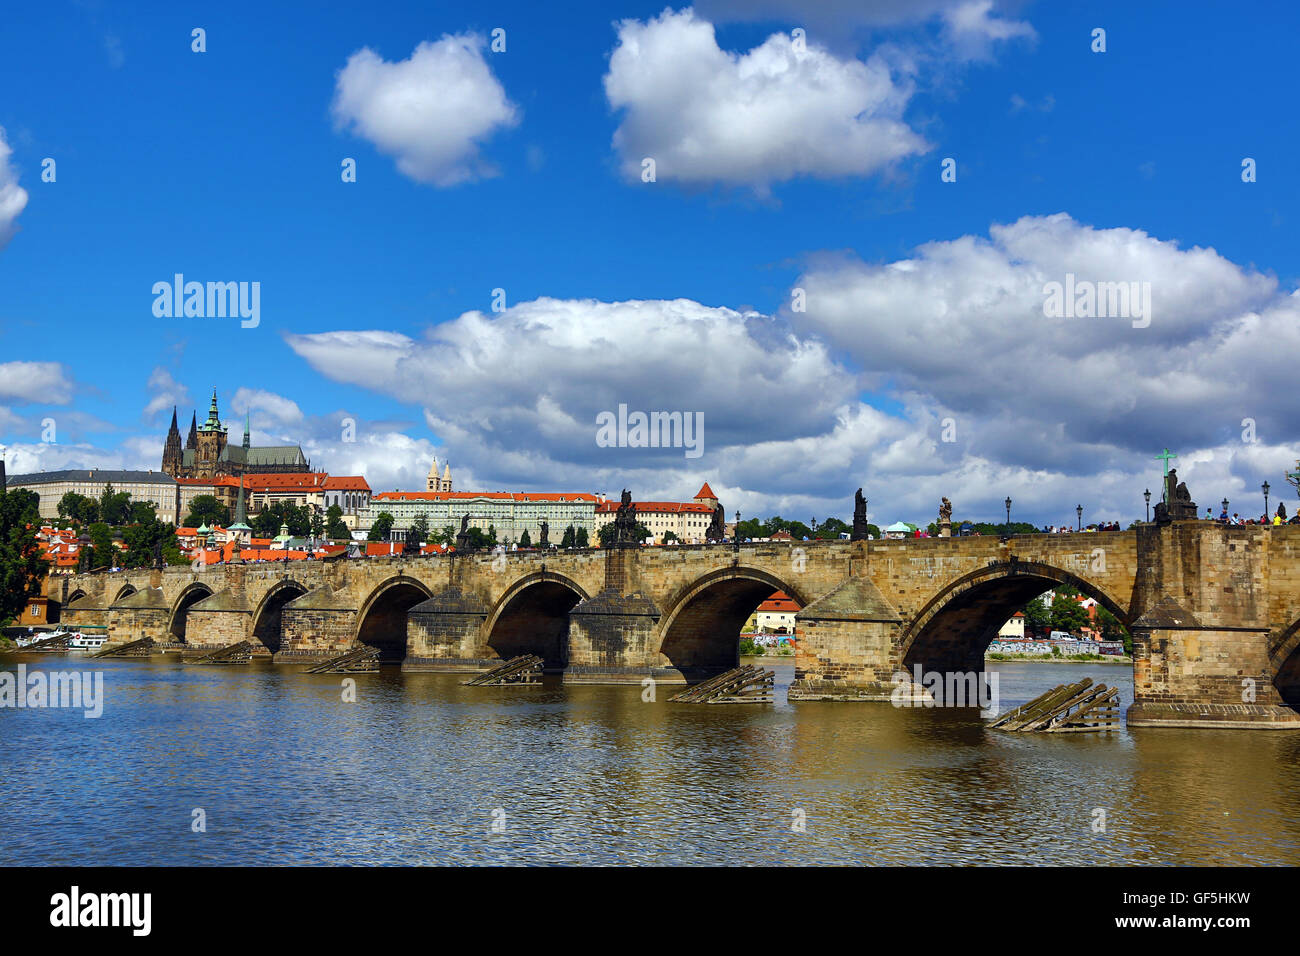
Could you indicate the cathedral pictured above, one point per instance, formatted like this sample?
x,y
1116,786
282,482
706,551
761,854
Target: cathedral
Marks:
x,y
206,453
439,484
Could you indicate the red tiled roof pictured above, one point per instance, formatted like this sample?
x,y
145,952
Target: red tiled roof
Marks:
x,y
225,481
706,492
346,483
779,602
669,507
296,481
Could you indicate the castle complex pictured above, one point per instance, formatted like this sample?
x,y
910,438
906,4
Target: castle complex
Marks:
x,y
206,454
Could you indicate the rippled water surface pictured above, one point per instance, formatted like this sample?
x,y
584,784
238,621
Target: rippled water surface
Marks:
x,y
417,769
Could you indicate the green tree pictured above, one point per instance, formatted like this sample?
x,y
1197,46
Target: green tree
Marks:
x,y
1066,612
140,539
1037,616
78,508
580,539
143,512
569,538
334,526
525,539
606,533
207,510
114,507
317,526
492,533
670,536
832,528
382,527
1112,630
419,528
268,521
21,566
103,554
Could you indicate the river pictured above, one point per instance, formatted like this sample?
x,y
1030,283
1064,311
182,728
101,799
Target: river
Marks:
x,y
279,769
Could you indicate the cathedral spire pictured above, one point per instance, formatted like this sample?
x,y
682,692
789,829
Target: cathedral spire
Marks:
x,y
172,454
241,509
193,440
246,436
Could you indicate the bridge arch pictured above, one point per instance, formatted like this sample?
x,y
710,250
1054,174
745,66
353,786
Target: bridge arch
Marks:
x,y
956,626
125,591
700,628
532,617
76,595
1285,660
179,618
267,616
381,621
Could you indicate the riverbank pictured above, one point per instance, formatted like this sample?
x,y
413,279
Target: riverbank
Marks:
x,y
1061,658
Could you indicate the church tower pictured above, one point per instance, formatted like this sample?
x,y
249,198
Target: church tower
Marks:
x,y
192,442
433,482
172,460
211,442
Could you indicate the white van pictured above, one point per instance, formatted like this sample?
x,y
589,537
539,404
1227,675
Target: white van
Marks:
x,y
1061,636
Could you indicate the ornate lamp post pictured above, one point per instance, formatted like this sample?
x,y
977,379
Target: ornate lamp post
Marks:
x,y
1224,502
735,537
1007,503
1264,486
1078,510
1147,495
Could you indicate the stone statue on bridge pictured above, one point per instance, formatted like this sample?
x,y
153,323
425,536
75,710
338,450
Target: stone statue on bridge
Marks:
x,y
158,562
1178,504
462,539
859,517
717,529
625,523
544,540
945,518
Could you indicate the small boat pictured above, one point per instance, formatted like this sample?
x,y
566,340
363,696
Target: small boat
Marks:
x,y
86,642
35,637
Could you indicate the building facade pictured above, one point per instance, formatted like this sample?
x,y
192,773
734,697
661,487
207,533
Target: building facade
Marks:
x,y
207,454
510,514
687,520
350,492
153,486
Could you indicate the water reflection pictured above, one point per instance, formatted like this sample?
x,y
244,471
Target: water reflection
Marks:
x,y
418,769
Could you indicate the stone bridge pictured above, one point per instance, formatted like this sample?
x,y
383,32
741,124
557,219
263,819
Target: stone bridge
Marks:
x,y
1214,610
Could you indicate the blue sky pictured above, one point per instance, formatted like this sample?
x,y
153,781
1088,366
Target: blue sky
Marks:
x,y
225,165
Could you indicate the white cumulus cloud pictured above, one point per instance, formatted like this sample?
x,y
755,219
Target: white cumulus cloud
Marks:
x,y
431,111
13,198
706,115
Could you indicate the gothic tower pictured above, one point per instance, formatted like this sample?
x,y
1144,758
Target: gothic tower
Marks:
x,y
211,442
192,442
172,460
